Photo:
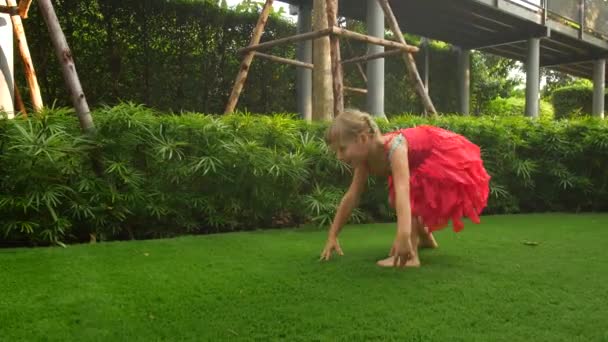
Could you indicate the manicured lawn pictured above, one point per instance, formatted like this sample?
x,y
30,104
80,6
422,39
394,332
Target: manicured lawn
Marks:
x,y
483,284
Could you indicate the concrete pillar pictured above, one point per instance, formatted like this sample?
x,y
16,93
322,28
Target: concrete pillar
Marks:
x,y
533,77
7,82
375,68
304,54
599,87
464,78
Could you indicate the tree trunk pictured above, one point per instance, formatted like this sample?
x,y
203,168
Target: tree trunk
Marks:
x,y
70,76
322,86
336,66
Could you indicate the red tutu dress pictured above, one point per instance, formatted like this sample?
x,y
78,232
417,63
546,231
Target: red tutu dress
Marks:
x,y
447,178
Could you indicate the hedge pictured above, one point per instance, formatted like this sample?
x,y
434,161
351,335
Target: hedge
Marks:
x,y
167,175
516,106
573,101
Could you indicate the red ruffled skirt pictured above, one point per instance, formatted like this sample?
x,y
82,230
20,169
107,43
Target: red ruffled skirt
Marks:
x,y
451,182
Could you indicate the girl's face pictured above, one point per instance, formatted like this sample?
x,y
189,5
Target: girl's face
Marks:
x,y
354,152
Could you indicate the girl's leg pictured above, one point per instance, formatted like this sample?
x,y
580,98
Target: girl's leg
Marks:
x,y
427,240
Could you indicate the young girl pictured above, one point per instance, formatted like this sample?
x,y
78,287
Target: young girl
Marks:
x,y
434,176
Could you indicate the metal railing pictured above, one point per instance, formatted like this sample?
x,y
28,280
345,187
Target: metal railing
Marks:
x,y
585,15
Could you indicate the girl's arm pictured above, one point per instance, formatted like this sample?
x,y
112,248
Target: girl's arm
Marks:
x,y
349,201
402,248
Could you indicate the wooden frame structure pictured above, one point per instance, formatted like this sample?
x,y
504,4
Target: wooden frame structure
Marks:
x,y
17,13
335,33
64,55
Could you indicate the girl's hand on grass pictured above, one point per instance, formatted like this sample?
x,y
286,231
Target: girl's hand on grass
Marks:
x,y
330,246
402,250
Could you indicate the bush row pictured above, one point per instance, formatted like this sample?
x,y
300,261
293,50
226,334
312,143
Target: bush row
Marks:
x,y
573,101
165,175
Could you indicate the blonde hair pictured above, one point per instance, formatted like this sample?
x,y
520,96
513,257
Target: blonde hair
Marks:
x,y
348,124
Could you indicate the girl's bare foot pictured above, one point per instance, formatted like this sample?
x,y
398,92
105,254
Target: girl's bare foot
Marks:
x,y
390,262
427,240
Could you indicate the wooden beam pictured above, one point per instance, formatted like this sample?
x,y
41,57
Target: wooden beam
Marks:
x,y
359,67
28,65
336,66
370,57
292,39
12,10
248,58
285,60
24,8
373,40
356,90
330,31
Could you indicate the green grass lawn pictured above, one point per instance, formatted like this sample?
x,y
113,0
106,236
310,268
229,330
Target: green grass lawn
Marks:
x,y
483,284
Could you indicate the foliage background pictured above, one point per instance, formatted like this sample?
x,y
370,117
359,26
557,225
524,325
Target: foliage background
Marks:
x,y
167,175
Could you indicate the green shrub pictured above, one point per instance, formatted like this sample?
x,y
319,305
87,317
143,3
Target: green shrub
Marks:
x,y
573,101
516,106
166,175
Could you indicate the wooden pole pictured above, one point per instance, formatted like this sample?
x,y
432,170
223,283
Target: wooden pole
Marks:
x,y
336,66
409,59
373,40
68,68
293,39
19,102
356,90
70,76
248,58
359,66
12,10
284,60
372,56
28,65
322,89
24,8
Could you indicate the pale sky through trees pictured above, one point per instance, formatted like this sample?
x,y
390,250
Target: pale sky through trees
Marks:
x,y
276,5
